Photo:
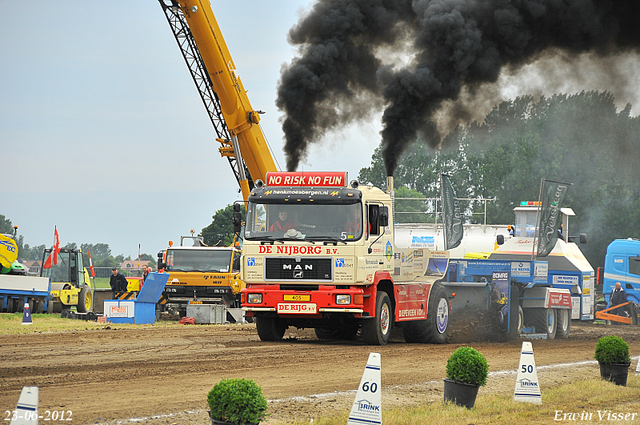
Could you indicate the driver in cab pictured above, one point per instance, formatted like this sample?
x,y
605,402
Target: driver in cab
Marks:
x,y
283,224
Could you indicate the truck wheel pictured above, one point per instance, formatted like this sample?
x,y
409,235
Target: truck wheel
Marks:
x,y
520,319
270,328
564,323
376,331
436,328
544,320
84,299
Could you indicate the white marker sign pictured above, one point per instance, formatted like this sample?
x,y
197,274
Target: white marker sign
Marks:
x,y
367,407
527,386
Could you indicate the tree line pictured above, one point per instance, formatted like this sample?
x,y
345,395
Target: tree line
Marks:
x,y
100,253
581,139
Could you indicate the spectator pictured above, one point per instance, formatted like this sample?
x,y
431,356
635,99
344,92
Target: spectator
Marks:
x,y
283,224
117,282
145,272
618,296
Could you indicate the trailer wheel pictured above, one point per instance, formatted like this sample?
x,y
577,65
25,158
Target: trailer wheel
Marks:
x,y
270,328
544,320
376,331
84,299
436,328
564,323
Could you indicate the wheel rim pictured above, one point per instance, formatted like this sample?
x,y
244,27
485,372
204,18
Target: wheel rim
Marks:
x,y
87,301
442,318
564,319
550,322
384,319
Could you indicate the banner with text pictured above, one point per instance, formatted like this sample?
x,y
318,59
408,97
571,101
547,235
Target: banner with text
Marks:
x,y
452,217
552,196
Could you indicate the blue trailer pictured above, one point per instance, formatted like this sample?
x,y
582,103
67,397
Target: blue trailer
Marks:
x,y
16,290
518,291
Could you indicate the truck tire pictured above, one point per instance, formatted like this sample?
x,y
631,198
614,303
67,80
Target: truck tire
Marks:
x,y
544,320
376,331
84,299
436,328
270,328
564,323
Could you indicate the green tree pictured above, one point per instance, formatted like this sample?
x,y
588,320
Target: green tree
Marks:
x,y
6,226
220,231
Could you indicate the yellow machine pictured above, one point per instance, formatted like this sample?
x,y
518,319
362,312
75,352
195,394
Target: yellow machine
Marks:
x,y
70,282
234,119
201,274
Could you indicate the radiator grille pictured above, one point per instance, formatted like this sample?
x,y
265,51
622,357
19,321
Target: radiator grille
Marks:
x,y
306,269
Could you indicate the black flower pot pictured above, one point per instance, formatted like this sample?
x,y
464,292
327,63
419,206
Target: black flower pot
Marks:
x,y
616,373
460,393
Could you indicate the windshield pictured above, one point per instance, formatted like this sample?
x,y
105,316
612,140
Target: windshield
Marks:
x,y
202,260
334,222
58,272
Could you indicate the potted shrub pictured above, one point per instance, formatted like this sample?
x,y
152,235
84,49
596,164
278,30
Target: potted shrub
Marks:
x,y
612,353
467,370
236,401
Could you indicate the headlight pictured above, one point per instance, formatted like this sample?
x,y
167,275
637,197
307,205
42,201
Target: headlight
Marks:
x,y
343,299
254,298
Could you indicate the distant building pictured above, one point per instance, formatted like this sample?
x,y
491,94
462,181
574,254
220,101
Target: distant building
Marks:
x,y
133,264
33,267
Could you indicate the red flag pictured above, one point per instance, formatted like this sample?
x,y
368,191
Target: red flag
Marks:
x,y
56,246
93,273
53,257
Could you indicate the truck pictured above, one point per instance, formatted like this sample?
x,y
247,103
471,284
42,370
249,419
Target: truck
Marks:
x,y
16,288
201,274
568,267
336,270
518,292
70,282
622,264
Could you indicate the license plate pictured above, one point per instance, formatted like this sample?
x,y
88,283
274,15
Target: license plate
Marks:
x,y
195,302
297,308
297,298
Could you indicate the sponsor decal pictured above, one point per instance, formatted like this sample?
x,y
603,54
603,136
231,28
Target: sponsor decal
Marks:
x,y
423,242
527,383
339,262
412,312
302,308
251,261
389,251
324,179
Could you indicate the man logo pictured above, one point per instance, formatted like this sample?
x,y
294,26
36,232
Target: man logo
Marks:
x,y
298,274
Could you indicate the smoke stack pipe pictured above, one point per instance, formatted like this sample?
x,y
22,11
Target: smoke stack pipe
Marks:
x,y
391,194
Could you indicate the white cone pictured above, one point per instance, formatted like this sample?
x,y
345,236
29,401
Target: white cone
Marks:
x,y
638,366
26,412
527,385
26,316
367,407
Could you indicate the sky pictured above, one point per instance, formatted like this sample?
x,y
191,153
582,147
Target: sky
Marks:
x,y
103,132
104,135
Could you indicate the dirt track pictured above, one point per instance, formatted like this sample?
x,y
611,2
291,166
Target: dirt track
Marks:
x,y
119,373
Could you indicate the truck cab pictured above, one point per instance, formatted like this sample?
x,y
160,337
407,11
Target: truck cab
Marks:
x,y
622,264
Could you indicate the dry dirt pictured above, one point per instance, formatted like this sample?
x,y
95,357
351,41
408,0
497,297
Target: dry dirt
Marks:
x,y
161,375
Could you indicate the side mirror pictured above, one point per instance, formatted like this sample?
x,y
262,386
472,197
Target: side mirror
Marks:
x,y
161,264
384,216
237,218
500,239
583,238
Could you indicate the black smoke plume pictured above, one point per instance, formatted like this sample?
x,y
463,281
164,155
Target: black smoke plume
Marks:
x,y
346,71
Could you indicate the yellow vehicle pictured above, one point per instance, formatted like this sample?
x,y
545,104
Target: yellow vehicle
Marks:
x,y
70,282
201,274
214,72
